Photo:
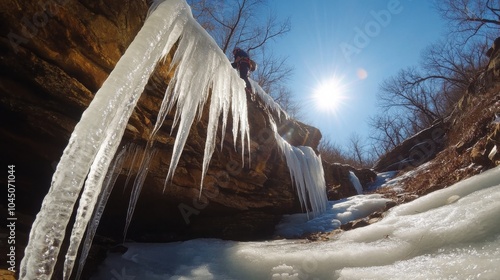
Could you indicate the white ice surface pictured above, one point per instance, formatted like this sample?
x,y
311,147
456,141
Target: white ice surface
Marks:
x,y
338,213
306,173
452,233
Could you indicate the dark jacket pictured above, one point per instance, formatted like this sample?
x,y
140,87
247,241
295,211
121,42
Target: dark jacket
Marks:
x,y
241,58
242,63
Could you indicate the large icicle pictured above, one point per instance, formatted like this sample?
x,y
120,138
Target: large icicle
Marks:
x,y
355,182
95,139
189,90
306,172
306,168
104,120
108,184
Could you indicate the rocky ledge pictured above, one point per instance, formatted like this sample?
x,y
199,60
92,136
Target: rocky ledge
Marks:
x,y
54,56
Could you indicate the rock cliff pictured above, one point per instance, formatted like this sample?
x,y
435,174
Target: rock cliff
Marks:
x,y
471,128
463,144
55,55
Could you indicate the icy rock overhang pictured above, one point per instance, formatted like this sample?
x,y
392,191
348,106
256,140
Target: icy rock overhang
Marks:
x,y
88,157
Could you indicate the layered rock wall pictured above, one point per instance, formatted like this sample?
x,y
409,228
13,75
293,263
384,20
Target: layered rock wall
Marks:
x,y
54,56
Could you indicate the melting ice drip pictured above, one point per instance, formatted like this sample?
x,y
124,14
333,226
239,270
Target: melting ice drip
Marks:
x,y
356,183
306,169
87,159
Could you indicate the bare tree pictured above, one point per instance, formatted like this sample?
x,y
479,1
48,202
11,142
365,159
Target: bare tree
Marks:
x,y
331,152
409,90
355,154
238,24
356,148
241,24
389,131
273,76
427,93
455,63
417,96
469,18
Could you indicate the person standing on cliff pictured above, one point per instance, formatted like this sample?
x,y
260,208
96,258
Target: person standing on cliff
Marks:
x,y
244,65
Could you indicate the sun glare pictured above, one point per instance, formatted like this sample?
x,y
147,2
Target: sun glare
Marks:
x,y
330,95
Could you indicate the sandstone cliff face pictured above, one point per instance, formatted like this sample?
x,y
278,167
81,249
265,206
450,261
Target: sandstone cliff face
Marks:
x,y
415,150
55,55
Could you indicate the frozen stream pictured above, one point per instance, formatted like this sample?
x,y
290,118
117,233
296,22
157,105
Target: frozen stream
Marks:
x,y
452,233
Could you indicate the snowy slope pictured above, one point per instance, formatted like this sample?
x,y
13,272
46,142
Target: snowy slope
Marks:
x,y
453,233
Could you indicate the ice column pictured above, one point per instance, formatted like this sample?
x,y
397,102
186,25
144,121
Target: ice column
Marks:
x,y
95,139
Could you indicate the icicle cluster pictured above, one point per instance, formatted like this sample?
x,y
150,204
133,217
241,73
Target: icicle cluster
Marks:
x,y
306,172
306,168
201,69
93,143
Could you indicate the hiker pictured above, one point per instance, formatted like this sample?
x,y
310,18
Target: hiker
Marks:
x,y
243,63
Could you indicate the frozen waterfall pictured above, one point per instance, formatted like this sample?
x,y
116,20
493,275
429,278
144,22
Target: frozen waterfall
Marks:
x,y
355,182
85,162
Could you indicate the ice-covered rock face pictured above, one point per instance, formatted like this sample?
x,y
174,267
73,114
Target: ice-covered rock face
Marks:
x,y
95,140
56,91
452,233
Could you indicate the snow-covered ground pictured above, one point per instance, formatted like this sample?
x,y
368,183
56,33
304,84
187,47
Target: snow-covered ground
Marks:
x,y
452,233
338,213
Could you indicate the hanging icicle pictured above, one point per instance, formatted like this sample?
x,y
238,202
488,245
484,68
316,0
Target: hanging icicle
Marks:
x,y
108,184
306,168
86,160
95,139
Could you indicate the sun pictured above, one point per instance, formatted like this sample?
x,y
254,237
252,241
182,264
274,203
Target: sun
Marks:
x,y
330,95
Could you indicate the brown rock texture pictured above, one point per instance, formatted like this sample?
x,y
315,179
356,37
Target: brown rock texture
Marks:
x,y
415,150
54,56
472,132
338,182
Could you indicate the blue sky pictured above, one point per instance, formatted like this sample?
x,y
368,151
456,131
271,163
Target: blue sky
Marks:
x,y
359,44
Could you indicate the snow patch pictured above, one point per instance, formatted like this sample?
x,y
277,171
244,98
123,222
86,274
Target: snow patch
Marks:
x,y
339,212
424,239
